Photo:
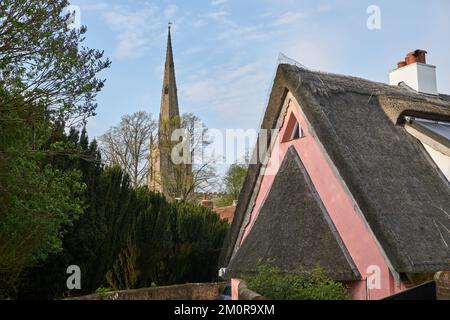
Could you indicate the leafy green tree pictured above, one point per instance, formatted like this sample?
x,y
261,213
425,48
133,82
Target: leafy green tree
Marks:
x,y
95,239
38,202
233,182
43,60
234,179
47,79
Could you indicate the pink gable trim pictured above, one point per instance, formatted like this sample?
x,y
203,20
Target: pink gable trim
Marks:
x,y
352,228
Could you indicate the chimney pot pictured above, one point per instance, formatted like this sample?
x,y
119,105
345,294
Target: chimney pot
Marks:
x,y
417,55
207,203
415,73
401,64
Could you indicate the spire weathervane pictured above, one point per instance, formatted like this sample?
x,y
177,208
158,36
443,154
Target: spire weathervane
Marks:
x,y
170,25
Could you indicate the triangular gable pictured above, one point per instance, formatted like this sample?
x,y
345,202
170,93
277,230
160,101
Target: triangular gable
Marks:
x,y
293,230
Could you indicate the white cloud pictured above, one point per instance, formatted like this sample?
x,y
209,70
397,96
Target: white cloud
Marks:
x,y
138,27
288,18
230,91
199,91
240,71
134,29
218,2
314,54
234,35
94,6
221,17
193,50
265,15
324,7
218,15
199,23
170,11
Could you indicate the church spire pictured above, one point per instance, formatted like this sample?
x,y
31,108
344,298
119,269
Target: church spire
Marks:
x,y
162,176
169,99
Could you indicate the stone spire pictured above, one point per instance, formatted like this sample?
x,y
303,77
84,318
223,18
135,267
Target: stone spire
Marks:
x,y
169,97
162,176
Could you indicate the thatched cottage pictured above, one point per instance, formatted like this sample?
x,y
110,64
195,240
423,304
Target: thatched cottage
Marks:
x,y
355,179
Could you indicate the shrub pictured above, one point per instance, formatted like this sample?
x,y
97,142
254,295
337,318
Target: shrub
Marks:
x,y
270,282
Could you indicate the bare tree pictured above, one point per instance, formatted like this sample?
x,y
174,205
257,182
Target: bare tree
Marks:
x,y
183,180
203,165
128,145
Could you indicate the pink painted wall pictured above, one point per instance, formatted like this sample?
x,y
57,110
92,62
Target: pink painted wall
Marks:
x,y
355,234
235,289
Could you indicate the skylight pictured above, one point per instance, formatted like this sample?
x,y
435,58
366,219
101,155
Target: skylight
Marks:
x,y
435,137
440,128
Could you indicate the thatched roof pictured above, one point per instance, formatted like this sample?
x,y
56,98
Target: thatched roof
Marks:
x,y
403,197
294,231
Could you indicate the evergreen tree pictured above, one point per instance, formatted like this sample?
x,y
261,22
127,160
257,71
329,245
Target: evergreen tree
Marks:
x,y
47,78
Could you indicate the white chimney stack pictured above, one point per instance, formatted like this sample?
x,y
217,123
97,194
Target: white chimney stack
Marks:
x,y
415,73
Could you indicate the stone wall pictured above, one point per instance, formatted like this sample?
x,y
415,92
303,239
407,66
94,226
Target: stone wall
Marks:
x,y
190,291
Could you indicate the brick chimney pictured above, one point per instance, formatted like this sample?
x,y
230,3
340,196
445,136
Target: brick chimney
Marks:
x,y
415,73
206,202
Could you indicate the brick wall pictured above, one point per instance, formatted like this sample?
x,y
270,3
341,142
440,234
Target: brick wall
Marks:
x,y
191,291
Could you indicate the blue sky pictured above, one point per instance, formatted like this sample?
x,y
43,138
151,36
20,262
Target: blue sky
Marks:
x,y
226,50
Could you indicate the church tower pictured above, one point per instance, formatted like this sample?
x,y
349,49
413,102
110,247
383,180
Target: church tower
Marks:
x,y
164,176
